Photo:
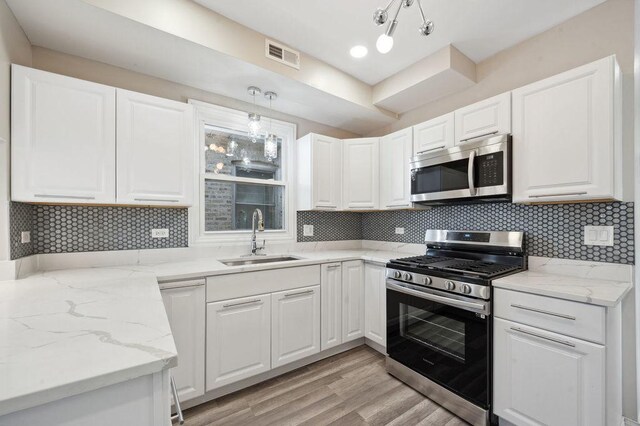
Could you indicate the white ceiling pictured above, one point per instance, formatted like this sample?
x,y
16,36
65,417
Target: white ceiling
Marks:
x,y
76,28
327,29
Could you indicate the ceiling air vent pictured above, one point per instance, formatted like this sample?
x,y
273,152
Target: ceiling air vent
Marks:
x,y
282,54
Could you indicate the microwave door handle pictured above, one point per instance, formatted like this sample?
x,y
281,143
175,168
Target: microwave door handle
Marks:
x,y
471,172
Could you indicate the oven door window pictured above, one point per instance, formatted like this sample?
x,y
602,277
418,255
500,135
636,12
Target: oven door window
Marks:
x,y
448,345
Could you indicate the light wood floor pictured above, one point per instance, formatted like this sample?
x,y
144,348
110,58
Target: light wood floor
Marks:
x,y
351,388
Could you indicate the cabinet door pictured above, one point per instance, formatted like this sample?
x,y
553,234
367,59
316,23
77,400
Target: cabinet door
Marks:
x,y
564,138
352,300
238,339
434,134
63,141
155,150
375,304
544,378
331,305
186,311
487,117
295,325
327,172
361,174
395,172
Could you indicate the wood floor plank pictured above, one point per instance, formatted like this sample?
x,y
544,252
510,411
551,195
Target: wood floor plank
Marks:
x,y
351,388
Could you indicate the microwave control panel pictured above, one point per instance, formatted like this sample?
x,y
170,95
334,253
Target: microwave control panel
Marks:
x,y
489,169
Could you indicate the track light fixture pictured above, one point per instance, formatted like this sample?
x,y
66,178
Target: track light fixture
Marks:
x,y
381,15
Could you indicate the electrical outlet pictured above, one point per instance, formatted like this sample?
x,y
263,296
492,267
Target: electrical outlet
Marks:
x,y
160,233
598,235
400,231
25,237
307,230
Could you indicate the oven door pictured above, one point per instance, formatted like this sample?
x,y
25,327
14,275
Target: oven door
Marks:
x,y
445,339
481,169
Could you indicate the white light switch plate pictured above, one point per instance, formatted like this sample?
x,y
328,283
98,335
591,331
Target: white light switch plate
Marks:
x,y
25,237
598,235
160,233
400,231
307,230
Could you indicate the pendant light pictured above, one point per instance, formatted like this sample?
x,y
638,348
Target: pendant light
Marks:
x,y
254,124
384,44
271,141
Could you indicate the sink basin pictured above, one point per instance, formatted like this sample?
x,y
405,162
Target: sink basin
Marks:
x,y
257,260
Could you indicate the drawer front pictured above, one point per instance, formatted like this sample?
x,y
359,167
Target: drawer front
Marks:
x,y
560,316
243,284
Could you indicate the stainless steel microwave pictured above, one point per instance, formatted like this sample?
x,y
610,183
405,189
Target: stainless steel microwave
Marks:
x,y
476,171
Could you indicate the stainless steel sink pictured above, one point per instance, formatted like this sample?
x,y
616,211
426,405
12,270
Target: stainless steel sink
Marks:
x,y
258,260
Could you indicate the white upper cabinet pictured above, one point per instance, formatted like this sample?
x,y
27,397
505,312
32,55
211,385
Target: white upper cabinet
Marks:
x,y
319,161
566,136
361,174
63,146
484,118
435,134
395,171
155,150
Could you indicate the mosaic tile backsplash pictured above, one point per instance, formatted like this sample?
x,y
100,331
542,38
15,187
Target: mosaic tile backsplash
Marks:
x,y
65,229
554,230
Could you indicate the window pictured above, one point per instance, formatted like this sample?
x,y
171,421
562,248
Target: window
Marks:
x,y
235,178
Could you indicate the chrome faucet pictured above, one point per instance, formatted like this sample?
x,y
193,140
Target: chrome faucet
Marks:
x,y
254,246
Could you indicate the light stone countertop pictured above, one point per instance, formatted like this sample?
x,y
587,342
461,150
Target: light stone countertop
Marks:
x,y
588,288
71,331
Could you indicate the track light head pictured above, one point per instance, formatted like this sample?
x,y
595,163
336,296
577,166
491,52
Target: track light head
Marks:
x,y
426,28
380,16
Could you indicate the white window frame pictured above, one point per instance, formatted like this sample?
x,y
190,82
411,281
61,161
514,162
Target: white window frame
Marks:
x,y
227,118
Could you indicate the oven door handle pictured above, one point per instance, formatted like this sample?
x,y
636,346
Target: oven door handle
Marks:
x,y
481,308
471,171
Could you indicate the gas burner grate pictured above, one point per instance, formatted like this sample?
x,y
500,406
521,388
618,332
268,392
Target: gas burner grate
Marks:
x,y
480,268
421,260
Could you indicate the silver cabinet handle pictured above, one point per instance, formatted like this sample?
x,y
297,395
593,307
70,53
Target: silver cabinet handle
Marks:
x,y
540,336
471,171
157,199
541,311
335,265
72,197
558,195
495,132
249,302
300,293
430,149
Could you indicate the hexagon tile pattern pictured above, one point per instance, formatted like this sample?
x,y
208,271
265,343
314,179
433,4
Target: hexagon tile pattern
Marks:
x,y
64,229
330,226
21,219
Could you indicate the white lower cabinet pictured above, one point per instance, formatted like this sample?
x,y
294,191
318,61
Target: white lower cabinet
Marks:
x,y
185,306
545,378
295,325
352,300
331,305
375,304
238,339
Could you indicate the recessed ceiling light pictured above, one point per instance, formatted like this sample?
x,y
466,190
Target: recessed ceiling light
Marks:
x,y
359,51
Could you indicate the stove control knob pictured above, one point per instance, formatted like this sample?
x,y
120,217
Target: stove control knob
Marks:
x,y
427,281
450,285
407,276
466,288
397,274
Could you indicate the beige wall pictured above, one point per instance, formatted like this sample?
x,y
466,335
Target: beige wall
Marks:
x,y
604,30
14,48
86,69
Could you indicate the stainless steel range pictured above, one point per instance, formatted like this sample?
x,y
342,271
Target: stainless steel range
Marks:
x,y
439,327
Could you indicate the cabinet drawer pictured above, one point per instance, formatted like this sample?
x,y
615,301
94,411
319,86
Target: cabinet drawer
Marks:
x,y
223,287
560,316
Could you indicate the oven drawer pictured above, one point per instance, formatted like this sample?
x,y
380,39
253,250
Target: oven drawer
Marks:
x,y
560,316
